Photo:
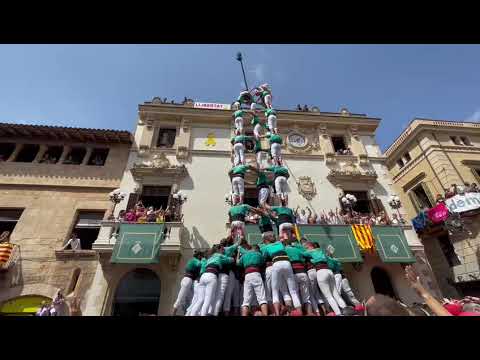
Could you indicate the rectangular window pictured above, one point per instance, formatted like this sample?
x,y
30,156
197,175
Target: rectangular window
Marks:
x,y
156,196
400,163
338,143
407,157
422,197
166,138
28,153
87,227
6,149
363,203
448,250
52,155
75,157
9,219
98,157
466,140
455,140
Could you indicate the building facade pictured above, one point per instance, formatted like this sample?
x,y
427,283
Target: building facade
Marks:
x,y
54,181
188,149
425,161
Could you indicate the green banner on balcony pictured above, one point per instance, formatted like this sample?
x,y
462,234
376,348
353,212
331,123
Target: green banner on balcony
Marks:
x,y
138,244
339,236
391,244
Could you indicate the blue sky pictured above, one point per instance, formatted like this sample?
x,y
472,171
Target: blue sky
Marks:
x,y
100,86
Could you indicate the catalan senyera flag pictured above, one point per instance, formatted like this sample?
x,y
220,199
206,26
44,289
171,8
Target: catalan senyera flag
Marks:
x,y
297,232
364,236
6,250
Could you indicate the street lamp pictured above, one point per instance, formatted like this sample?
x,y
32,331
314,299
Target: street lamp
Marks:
x,y
395,203
349,201
116,196
240,59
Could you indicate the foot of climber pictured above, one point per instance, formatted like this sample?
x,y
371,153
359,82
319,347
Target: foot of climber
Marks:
x,y
296,312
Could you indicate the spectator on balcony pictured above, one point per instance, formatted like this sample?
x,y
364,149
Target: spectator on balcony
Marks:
x,y
395,220
312,217
301,217
121,215
151,214
130,216
74,243
168,215
473,188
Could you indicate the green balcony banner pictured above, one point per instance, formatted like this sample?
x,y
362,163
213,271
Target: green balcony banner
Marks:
x,y
391,244
339,236
138,244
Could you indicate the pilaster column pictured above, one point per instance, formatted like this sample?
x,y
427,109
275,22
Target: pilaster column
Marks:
x,y
65,152
43,149
13,156
88,153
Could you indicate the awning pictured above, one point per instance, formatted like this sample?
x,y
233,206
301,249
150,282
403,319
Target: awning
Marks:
x,y
138,244
339,236
391,244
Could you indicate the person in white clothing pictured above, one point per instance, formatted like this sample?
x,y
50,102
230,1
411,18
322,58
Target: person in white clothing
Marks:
x,y
301,217
74,243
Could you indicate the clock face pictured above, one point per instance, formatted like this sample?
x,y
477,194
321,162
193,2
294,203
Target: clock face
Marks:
x,y
297,140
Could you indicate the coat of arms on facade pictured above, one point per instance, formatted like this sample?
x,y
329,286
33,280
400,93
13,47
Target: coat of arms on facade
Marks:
x,y
306,187
211,141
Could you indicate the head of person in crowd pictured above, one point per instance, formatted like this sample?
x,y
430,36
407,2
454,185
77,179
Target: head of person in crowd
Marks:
x,y
309,245
268,237
474,187
198,254
212,250
471,307
121,214
381,305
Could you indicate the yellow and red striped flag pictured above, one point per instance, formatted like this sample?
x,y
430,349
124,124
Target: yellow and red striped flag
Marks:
x,y
297,232
6,250
364,236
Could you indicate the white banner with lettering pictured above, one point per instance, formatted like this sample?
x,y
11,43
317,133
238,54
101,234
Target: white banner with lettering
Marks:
x,y
462,203
214,106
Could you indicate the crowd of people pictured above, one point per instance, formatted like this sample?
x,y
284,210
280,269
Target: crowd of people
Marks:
x,y
346,151
55,308
458,190
140,214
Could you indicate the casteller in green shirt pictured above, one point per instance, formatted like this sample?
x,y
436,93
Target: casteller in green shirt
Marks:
x,y
239,211
251,258
240,169
334,265
284,212
274,138
278,170
240,139
263,180
193,266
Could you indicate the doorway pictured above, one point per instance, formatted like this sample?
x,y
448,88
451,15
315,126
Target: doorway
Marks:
x,y
381,282
137,294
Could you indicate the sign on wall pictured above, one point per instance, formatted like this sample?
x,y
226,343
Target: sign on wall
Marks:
x,y
462,203
214,106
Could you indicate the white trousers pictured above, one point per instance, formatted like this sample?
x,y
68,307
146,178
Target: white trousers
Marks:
x,y
262,158
281,185
207,291
263,194
239,124
303,283
272,122
338,282
222,284
282,271
239,154
268,287
257,131
238,186
347,291
326,283
276,150
227,301
314,293
186,288
268,101
253,288
194,299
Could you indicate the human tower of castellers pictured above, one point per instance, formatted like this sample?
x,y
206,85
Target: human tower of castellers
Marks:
x,y
285,276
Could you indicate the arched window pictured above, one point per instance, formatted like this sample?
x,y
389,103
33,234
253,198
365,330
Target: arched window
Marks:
x,y
138,293
381,282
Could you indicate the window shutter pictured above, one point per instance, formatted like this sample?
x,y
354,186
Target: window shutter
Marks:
x,y
429,194
413,199
377,206
132,200
475,174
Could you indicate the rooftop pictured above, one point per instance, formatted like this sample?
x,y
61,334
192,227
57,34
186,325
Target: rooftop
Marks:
x,y
65,133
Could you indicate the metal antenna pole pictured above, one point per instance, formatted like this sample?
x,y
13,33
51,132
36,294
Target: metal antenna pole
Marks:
x,y
240,59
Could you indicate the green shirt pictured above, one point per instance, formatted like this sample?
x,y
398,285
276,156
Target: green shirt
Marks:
x,y
238,113
281,210
251,258
203,266
295,253
193,266
264,220
240,139
230,250
219,260
334,264
278,170
271,250
262,179
274,138
239,210
316,256
270,112
240,169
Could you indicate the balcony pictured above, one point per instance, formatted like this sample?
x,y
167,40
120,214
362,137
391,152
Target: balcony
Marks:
x,y
140,243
